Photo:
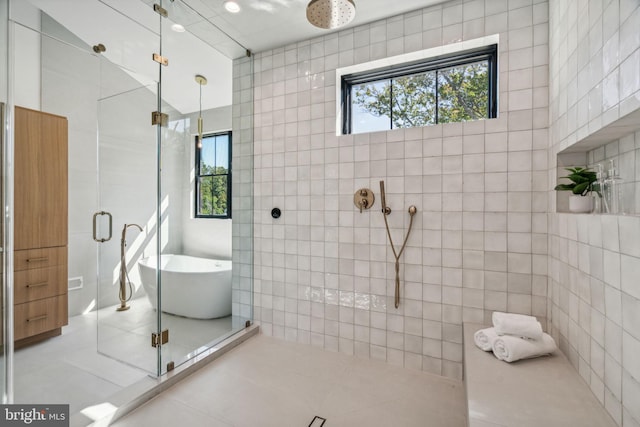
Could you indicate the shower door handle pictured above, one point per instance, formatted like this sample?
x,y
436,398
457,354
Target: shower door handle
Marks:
x,y
95,216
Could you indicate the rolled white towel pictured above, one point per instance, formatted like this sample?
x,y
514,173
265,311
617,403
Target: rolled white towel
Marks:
x,y
484,338
510,348
519,325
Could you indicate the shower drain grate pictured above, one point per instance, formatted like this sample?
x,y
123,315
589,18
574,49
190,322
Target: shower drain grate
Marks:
x,y
317,421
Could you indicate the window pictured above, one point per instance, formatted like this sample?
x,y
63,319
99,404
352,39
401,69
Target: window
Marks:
x,y
213,176
452,88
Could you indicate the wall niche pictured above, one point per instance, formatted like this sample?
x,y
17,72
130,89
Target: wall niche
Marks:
x,y
620,142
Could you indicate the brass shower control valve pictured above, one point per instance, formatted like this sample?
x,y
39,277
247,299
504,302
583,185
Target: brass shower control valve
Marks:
x,y
364,199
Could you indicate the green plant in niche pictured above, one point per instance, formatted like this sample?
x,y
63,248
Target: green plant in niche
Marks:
x,y
582,180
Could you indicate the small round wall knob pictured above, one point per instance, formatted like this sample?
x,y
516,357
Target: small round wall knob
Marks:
x,y
275,213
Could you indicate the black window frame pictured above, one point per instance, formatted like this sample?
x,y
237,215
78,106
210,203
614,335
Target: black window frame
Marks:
x,y
198,148
486,53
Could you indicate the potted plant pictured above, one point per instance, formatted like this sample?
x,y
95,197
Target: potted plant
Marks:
x,y
582,184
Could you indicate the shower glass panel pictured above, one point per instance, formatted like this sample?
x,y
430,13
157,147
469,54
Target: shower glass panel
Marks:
x,y
3,269
144,194
67,85
4,43
127,164
112,92
197,252
129,208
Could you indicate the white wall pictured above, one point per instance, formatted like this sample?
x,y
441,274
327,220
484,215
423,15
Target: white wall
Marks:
x,y
26,55
323,272
594,260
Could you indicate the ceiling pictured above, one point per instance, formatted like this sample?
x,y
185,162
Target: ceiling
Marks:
x,y
266,24
130,30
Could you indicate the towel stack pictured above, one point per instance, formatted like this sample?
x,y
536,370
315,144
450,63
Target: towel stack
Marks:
x,y
514,337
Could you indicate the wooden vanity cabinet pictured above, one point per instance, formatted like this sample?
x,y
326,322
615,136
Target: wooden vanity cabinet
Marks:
x,y
40,225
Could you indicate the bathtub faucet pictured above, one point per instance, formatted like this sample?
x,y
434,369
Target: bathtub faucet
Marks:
x,y
124,274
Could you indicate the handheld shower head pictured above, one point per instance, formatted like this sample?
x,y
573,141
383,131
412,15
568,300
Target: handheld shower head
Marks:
x,y
383,198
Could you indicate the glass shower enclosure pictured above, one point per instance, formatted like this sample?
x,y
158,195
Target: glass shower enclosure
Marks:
x,y
140,59
146,157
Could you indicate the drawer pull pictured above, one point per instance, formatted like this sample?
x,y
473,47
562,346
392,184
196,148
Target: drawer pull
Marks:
x,y
41,259
37,285
35,319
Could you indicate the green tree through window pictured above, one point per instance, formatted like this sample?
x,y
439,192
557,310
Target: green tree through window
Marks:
x,y
213,180
448,89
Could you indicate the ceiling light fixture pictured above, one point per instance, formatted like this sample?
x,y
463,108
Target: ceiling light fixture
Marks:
x,y
201,80
330,14
178,28
231,6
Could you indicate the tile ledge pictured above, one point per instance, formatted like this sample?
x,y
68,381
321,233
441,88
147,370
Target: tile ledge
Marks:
x,y
555,395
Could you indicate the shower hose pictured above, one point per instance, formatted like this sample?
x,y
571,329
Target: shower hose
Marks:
x,y
397,255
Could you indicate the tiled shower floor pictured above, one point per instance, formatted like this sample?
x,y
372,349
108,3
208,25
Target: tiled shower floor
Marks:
x,y
269,382
69,369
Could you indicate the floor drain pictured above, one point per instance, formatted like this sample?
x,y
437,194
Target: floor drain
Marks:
x,y
317,421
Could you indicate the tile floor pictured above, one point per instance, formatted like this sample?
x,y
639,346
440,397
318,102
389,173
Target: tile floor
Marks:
x,y
69,368
126,335
270,382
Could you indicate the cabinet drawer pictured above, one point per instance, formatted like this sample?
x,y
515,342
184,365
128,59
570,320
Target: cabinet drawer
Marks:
x,y
39,283
39,258
36,317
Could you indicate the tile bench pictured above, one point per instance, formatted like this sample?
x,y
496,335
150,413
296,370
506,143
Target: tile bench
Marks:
x,y
545,391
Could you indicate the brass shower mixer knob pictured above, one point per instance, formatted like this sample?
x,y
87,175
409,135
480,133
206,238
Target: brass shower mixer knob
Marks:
x,y
364,199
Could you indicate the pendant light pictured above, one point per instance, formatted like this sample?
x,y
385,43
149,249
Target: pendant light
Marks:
x,y
330,14
201,80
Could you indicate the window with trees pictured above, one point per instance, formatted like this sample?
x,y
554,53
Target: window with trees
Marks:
x,y
451,88
213,176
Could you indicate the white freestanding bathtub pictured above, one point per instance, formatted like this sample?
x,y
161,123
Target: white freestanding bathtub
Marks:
x,y
192,287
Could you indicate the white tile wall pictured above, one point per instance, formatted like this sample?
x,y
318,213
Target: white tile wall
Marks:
x,y
324,272
594,260
595,310
243,191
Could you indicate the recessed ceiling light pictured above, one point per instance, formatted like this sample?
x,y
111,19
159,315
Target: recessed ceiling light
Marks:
x,y
231,6
177,28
